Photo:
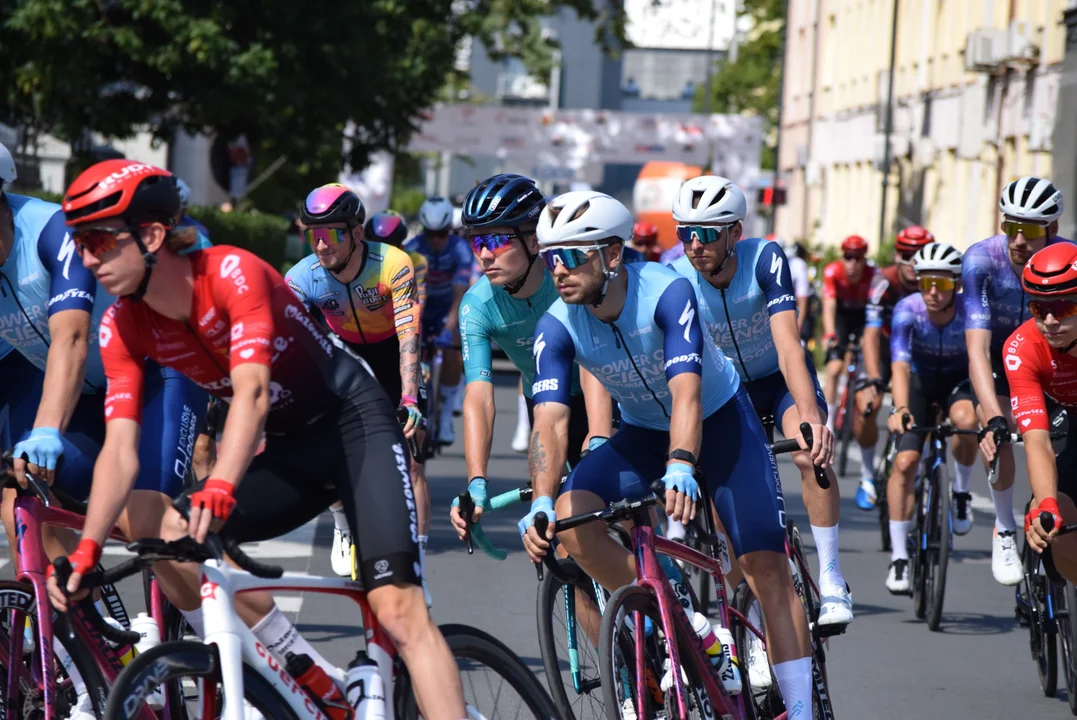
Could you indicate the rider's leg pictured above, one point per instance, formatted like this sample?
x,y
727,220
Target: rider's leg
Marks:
x,y
834,368
900,499
963,417
523,422
1005,561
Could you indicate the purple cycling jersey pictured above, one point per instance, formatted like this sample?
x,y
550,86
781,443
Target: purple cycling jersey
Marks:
x,y
928,348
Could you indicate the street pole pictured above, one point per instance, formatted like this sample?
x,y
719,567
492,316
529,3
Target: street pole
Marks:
x,y
709,99
778,140
889,123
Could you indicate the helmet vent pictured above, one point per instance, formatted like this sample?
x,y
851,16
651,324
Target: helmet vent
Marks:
x,y
581,211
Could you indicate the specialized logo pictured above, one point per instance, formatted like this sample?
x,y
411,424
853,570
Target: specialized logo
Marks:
x,y
685,320
67,251
539,346
776,262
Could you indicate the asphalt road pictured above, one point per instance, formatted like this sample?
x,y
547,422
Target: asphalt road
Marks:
x,y
888,664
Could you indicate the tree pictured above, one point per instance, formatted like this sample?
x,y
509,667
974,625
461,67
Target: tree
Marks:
x,y
752,83
288,75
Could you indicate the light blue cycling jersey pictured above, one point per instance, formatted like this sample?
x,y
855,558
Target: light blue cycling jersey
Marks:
x,y
656,337
991,290
738,317
446,268
928,348
42,276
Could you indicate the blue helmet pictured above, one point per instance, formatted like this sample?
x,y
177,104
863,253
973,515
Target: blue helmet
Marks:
x,y
503,200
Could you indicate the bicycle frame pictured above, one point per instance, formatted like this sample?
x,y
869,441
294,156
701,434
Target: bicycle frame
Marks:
x,y
236,642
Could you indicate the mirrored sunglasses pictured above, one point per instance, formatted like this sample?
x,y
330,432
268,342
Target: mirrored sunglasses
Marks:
x,y
706,234
1061,309
496,243
99,241
330,236
1032,231
570,258
943,284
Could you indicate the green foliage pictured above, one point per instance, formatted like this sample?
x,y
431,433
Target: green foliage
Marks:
x,y
262,234
886,253
406,200
38,193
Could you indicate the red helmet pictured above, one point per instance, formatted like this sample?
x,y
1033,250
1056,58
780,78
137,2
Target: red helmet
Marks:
x,y
131,191
645,233
1052,271
913,238
854,244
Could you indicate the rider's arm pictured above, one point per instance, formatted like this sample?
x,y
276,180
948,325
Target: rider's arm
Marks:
x,y
801,289
873,323
479,411
406,318
899,384
975,281
461,281
1042,471
802,311
901,356
599,407
983,383
418,261
830,302
554,355
677,315
1025,365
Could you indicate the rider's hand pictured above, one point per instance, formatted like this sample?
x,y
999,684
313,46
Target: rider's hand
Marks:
x,y
822,444
444,338
870,390
992,436
681,491
39,454
415,418
830,340
210,507
595,443
535,545
895,422
477,490
83,560
1038,538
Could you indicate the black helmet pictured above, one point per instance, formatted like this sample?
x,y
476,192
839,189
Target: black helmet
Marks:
x,y
503,200
331,204
387,227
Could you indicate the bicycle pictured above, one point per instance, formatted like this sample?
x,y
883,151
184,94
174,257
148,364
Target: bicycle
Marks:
x,y
884,466
933,523
231,662
1052,609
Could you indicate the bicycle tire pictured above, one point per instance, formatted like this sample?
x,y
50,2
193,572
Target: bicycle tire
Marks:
x,y
884,467
939,535
186,658
433,403
1041,637
1068,639
473,644
550,592
809,597
918,558
845,432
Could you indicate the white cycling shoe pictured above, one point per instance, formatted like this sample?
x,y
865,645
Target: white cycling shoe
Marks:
x,y
759,675
82,709
897,577
1005,563
341,554
836,606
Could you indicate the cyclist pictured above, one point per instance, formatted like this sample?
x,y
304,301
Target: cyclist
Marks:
x,y
846,283
927,342
504,307
1041,366
448,278
645,241
636,328
798,271
995,305
366,293
888,286
226,319
746,305
389,227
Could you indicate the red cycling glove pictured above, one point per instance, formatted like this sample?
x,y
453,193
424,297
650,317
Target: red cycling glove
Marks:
x,y
1048,505
215,496
84,559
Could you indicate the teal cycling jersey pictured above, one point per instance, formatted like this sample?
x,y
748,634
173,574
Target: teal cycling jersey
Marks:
x,y
738,317
490,313
656,337
42,276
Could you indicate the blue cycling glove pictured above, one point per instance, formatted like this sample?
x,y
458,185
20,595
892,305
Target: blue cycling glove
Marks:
x,y
680,477
43,448
542,504
596,442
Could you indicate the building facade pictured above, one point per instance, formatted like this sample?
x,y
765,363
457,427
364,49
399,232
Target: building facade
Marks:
x,y
976,89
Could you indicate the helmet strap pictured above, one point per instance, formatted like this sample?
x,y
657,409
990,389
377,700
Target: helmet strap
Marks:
x,y
149,260
728,249
515,287
609,275
1066,350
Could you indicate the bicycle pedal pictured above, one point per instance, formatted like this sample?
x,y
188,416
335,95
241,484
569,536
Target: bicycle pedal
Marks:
x,y
829,631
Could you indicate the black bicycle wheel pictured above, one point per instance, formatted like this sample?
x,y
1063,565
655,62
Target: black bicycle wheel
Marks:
x,y
1064,604
884,465
845,432
175,661
569,613
1042,633
809,596
918,556
938,550
473,649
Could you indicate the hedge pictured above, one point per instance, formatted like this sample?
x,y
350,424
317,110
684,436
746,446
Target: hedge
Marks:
x,y
262,234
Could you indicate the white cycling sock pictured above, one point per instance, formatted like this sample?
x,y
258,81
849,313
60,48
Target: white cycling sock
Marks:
x,y
831,413
794,680
826,546
280,637
340,520
195,620
521,413
899,547
64,658
867,463
962,477
423,539
675,529
1003,499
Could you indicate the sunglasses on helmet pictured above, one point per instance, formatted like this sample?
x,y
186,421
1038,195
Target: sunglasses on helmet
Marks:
x,y
570,257
1032,231
1061,309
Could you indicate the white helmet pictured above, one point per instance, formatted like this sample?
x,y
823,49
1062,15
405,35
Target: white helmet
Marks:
x,y
457,218
583,215
7,167
436,214
937,257
1031,198
709,199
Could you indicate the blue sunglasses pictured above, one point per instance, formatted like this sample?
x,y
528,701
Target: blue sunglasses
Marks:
x,y
706,233
496,243
571,258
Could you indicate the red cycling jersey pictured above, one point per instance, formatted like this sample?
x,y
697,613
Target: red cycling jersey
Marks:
x,y
241,312
1035,369
836,285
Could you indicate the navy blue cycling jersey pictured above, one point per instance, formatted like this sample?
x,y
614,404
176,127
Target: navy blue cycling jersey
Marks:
x,y
656,337
446,268
928,348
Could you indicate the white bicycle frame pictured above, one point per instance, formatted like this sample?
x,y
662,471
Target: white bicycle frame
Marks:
x,y
236,642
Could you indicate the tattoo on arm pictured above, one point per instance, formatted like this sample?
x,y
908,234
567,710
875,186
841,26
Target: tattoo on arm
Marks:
x,y
536,461
409,368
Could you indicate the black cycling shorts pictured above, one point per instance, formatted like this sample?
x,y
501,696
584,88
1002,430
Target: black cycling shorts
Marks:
x,y
577,426
355,453
927,390
847,321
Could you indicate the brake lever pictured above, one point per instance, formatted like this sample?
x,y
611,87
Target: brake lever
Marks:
x,y
467,509
541,524
820,474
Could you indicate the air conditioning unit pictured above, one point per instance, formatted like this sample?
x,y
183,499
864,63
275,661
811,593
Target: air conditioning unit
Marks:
x,y
1019,46
985,49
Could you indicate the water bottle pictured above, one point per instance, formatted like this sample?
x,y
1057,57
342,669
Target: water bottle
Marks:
x,y
321,688
127,653
366,692
147,627
729,670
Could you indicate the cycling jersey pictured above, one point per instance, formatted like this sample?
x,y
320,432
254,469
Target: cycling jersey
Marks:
x,y
378,304
42,276
1035,369
490,313
991,290
885,292
655,338
446,268
798,270
928,348
418,263
836,284
738,317
668,256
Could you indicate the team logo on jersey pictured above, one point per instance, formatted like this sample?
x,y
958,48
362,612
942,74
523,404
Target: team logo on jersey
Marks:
x,y
373,298
331,304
